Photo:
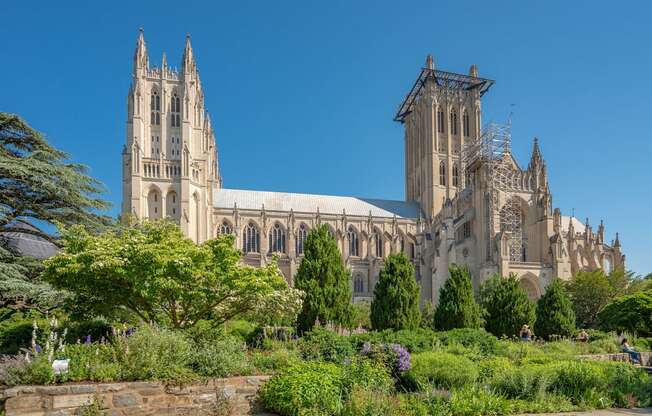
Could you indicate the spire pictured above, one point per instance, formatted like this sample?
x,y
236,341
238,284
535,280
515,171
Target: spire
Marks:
x,y
430,62
188,57
164,64
536,152
617,242
141,61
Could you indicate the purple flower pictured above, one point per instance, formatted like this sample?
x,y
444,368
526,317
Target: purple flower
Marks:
x,y
130,331
366,348
88,340
402,358
38,348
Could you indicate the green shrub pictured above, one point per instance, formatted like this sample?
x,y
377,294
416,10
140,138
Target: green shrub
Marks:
x,y
629,386
361,314
441,370
372,403
469,337
155,354
307,388
396,296
220,358
94,362
490,367
555,315
546,403
325,345
96,328
457,307
240,329
523,382
416,340
476,401
366,374
275,360
506,306
579,381
631,313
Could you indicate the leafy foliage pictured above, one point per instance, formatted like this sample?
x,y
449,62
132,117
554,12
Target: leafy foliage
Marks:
x,y
555,315
632,313
322,344
457,307
152,270
591,291
325,281
396,296
506,306
441,370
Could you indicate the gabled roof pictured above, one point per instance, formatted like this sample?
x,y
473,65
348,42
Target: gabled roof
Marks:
x,y
444,79
310,203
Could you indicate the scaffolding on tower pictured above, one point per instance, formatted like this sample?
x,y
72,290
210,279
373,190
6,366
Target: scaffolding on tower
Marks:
x,y
491,152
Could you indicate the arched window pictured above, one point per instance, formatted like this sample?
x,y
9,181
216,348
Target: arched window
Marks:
x,y
302,235
353,241
153,204
175,110
466,124
155,107
172,209
440,120
250,239
454,122
378,240
456,175
358,284
277,239
224,228
442,173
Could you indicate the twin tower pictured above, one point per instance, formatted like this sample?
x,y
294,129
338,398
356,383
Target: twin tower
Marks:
x,y
169,162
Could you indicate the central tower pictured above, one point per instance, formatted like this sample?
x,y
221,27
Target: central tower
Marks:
x,y
441,113
170,156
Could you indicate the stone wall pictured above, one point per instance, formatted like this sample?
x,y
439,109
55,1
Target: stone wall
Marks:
x,y
228,396
646,357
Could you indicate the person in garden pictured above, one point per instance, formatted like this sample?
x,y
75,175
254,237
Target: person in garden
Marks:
x,y
634,355
526,333
583,336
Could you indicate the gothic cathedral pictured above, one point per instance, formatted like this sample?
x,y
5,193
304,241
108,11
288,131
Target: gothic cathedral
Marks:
x,y
468,201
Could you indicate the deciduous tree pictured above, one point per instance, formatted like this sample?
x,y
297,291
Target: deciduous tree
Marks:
x,y
152,270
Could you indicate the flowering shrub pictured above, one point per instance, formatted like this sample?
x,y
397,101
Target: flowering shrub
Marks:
x,y
393,356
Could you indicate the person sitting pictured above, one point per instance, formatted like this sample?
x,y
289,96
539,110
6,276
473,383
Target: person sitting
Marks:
x,y
583,336
634,355
526,333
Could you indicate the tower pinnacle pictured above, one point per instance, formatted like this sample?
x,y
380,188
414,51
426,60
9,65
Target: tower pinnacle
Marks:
x,y
188,57
141,61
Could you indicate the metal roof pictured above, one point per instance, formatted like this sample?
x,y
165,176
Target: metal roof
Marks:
x,y
325,204
443,79
577,224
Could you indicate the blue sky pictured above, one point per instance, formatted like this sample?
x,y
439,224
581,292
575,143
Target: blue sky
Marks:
x,y
302,93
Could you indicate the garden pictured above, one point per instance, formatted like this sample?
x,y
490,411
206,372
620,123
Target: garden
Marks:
x,y
137,301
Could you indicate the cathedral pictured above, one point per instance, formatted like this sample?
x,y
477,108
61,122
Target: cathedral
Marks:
x,y
468,201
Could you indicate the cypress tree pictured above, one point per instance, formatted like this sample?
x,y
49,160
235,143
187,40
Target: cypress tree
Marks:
x,y
505,305
555,315
325,281
457,307
396,296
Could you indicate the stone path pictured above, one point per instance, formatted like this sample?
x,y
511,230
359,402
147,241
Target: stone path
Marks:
x,y
607,412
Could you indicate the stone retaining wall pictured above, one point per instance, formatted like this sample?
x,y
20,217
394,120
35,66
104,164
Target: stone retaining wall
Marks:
x,y
228,396
646,357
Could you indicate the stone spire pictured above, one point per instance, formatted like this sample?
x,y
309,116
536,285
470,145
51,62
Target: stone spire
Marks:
x,y
536,158
188,57
164,64
617,242
141,60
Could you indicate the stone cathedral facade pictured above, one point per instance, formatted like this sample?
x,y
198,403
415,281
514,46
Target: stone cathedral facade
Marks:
x,y
468,201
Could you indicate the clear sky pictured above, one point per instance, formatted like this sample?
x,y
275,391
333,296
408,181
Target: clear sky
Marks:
x,y
302,93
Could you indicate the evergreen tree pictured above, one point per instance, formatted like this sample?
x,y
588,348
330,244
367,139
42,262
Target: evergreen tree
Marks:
x,y
555,315
325,281
38,185
457,307
396,296
505,305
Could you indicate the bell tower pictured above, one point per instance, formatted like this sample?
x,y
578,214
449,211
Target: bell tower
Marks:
x,y
441,113
169,161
